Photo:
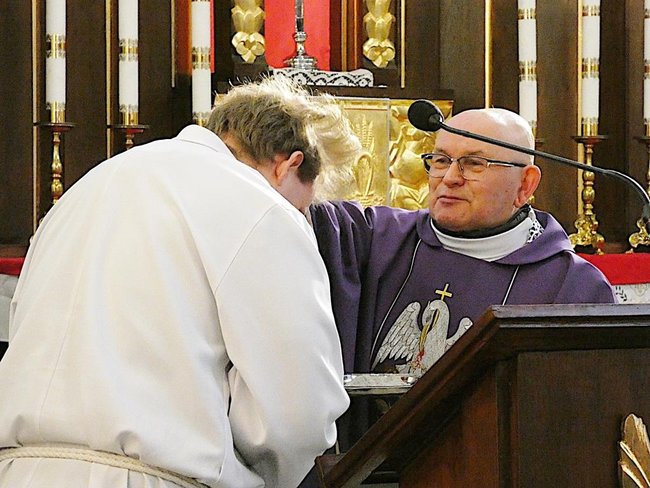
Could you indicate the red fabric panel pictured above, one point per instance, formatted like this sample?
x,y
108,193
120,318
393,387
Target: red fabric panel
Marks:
x,y
622,269
11,266
280,26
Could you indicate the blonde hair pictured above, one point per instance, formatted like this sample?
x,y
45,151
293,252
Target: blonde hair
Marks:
x,y
277,116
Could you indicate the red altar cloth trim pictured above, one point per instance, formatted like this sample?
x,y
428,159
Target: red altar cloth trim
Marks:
x,y
11,266
622,269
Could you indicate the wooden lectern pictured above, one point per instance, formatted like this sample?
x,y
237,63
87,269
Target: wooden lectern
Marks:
x,y
530,396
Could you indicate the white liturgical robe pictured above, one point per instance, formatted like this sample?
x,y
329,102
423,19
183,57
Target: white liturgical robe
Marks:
x,y
173,308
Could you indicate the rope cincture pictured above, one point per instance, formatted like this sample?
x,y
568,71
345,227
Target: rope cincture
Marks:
x,y
81,453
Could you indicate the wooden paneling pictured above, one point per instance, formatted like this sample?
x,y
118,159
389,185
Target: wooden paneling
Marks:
x,y
612,197
16,116
570,406
504,53
445,57
466,452
156,100
634,155
85,145
462,48
557,54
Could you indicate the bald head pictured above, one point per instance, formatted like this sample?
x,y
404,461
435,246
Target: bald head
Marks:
x,y
497,123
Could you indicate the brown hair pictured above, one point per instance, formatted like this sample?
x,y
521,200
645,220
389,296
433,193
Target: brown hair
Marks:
x,y
276,116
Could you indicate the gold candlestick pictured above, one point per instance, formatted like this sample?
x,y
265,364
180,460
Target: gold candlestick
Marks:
x,y
56,185
130,131
129,125
587,238
641,238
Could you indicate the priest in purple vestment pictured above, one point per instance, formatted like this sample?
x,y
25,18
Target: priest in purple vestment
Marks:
x,y
407,284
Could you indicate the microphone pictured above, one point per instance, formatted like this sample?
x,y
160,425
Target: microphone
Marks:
x,y
426,116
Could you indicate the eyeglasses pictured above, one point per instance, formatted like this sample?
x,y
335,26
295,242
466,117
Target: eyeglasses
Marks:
x,y
471,167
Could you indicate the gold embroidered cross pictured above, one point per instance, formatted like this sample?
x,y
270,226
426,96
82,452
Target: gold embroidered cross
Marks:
x,y
444,293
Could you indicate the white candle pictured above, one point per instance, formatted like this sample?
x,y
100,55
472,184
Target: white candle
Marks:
x,y
201,73
128,60
527,30
55,77
646,64
590,61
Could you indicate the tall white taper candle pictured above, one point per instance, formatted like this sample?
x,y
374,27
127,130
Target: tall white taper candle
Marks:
x,y
646,67
55,76
590,65
128,61
527,30
201,73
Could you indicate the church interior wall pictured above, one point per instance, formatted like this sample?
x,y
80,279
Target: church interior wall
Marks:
x,y
446,57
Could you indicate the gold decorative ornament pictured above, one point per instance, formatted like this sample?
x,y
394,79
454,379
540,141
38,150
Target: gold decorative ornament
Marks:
x,y
367,167
56,187
591,10
129,114
527,70
590,126
369,119
200,58
57,111
590,67
248,19
200,118
634,454
379,48
56,168
641,238
55,46
527,14
128,50
389,170
409,181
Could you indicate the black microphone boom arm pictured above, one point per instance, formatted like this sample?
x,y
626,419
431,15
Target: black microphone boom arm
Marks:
x,y
424,115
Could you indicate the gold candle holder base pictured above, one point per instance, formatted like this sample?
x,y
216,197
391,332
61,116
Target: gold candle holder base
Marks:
x,y
57,129
640,241
130,131
587,239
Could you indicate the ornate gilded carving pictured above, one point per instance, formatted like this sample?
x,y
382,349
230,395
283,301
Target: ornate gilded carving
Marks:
x,y
409,182
248,19
369,120
634,454
55,46
640,238
390,170
379,48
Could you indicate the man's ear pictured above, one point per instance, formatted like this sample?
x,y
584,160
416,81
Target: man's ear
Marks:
x,y
529,182
284,166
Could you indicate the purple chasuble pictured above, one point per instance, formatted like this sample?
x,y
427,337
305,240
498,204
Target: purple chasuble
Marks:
x,y
400,299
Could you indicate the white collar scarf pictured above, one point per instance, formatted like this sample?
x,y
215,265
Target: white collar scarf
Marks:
x,y
493,247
